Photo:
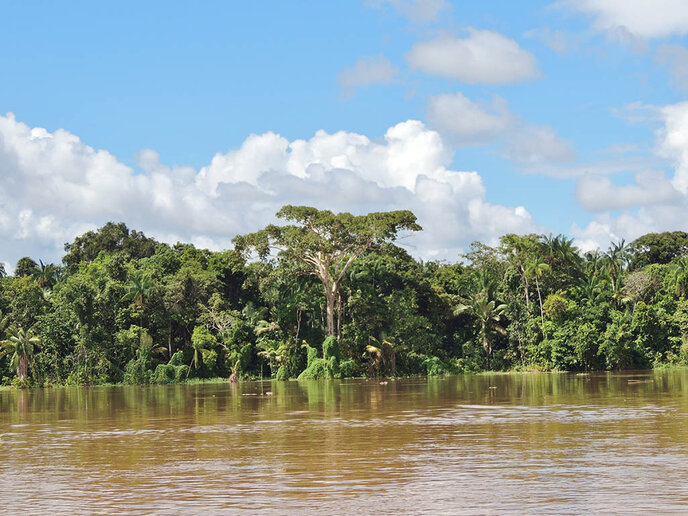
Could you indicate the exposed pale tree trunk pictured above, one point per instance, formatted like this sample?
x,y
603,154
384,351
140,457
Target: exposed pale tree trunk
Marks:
x,y
542,313
526,286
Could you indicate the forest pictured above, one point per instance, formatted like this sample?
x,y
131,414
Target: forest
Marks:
x,y
327,295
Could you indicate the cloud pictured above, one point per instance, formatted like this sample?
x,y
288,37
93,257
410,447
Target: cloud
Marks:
x,y
538,144
673,141
484,57
558,40
676,58
54,187
634,18
418,11
660,203
367,71
598,193
464,122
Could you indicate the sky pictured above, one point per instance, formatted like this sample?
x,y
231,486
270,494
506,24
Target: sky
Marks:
x,y
197,122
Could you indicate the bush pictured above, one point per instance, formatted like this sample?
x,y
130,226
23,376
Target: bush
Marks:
x,y
347,369
177,359
169,373
319,368
434,366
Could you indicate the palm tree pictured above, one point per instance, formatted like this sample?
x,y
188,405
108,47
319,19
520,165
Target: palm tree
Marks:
x,y
593,262
274,351
21,345
592,287
46,276
383,353
616,259
561,255
679,276
488,315
139,286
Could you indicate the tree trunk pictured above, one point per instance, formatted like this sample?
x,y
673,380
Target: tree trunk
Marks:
x,y
331,329
339,316
542,313
331,291
525,281
22,369
298,325
169,337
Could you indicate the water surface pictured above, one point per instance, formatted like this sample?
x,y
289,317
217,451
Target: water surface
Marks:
x,y
533,443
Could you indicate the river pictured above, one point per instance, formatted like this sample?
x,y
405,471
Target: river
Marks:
x,y
515,444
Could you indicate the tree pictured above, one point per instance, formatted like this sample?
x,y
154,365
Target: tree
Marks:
x,y
25,267
519,251
616,260
139,286
383,352
111,238
658,248
488,315
202,341
326,244
46,275
21,345
679,276
537,269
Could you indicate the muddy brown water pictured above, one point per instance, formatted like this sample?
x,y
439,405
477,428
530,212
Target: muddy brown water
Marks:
x,y
532,443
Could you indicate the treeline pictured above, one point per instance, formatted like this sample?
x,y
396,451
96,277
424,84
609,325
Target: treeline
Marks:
x,y
331,295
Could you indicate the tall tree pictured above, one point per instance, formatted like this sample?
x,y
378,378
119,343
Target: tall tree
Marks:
x,y
25,267
658,248
326,244
46,275
536,269
139,286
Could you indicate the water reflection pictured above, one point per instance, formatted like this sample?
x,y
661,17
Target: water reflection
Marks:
x,y
517,443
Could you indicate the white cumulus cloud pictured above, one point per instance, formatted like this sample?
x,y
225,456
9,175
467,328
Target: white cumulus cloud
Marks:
x,y
639,18
538,144
655,202
54,187
484,57
599,193
465,122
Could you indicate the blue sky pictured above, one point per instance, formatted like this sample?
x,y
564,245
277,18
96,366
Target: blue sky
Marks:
x,y
572,111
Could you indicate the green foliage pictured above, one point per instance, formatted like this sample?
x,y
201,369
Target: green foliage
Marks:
x,y
658,248
435,366
347,368
124,304
25,267
320,368
331,349
177,359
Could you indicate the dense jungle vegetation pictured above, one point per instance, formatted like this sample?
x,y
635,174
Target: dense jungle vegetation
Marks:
x,y
332,295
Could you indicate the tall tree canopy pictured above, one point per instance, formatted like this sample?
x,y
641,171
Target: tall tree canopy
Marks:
x,y
326,243
112,237
658,248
